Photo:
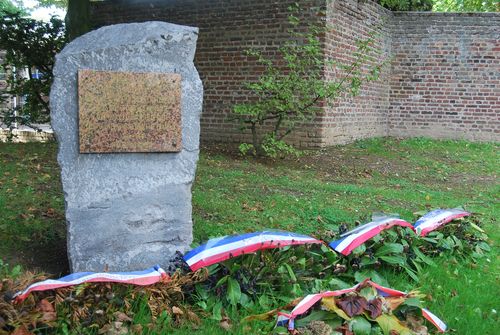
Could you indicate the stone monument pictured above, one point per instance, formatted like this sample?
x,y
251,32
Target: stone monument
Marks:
x,y
125,107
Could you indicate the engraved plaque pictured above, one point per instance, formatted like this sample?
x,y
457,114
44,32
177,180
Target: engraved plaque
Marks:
x,y
129,112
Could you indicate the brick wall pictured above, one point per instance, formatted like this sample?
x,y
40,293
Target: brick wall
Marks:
x,y
365,115
227,29
443,80
446,76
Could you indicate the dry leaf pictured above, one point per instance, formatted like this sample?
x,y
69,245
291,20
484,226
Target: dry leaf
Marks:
x,y
47,310
177,311
118,329
344,330
120,316
374,306
104,329
330,304
352,305
272,314
394,302
415,323
193,317
136,329
225,323
21,331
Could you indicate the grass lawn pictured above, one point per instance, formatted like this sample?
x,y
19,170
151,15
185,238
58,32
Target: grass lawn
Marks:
x,y
341,184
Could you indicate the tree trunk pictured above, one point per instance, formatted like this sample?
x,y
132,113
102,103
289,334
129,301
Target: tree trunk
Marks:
x,y
257,145
77,18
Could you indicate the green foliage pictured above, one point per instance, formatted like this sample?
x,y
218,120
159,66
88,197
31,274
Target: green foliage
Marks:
x,y
466,6
272,277
57,3
31,45
291,86
407,5
442,5
6,271
313,194
400,249
7,6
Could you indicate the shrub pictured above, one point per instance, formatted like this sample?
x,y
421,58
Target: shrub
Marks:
x,y
292,86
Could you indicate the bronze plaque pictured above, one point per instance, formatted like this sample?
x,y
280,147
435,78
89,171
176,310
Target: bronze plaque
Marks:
x,y
129,112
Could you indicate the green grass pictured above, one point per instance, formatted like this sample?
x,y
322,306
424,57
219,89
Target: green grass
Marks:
x,y
32,226
341,184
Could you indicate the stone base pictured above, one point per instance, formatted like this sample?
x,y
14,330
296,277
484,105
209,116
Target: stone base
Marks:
x,y
131,231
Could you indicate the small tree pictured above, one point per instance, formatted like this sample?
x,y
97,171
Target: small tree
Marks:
x,y
290,88
30,45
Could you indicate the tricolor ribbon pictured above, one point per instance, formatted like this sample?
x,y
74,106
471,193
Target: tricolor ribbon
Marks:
x,y
437,322
288,319
141,278
356,237
221,249
437,218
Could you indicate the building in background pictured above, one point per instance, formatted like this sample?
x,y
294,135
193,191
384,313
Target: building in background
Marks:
x,y
18,133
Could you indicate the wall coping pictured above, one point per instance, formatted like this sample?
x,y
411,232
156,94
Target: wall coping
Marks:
x,y
388,11
449,14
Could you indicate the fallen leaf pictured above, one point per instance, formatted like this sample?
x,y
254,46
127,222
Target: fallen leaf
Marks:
x,y
330,304
394,302
225,323
118,329
47,310
136,329
352,305
193,317
344,330
422,330
177,311
50,213
104,329
120,316
390,324
374,306
21,331
415,323
271,314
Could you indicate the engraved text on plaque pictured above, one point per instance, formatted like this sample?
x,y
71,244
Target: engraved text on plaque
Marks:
x,y
129,112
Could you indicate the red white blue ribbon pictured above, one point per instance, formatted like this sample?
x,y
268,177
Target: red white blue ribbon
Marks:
x,y
437,218
221,249
440,325
288,319
356,237
142,278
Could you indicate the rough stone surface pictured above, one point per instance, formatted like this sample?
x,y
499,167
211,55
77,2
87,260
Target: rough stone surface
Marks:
x,y
127,211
